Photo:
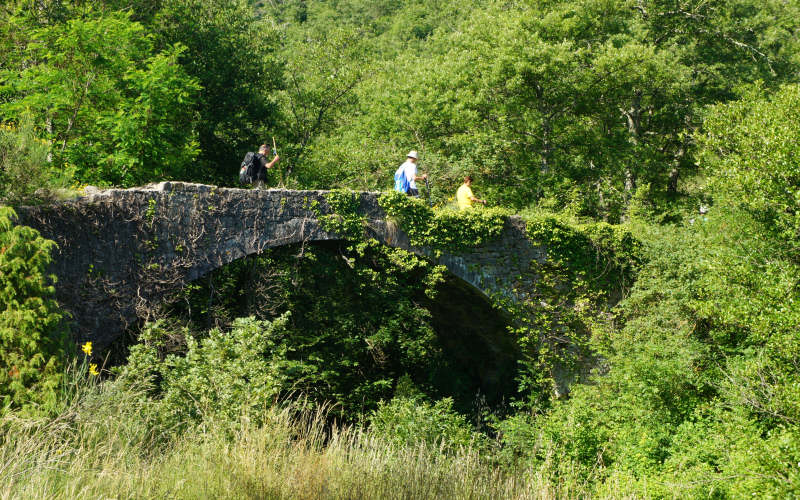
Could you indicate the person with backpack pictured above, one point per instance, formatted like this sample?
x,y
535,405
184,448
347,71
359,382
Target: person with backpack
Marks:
x,y
254,167
405,178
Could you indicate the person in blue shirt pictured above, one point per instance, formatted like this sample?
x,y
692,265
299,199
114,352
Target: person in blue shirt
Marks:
x,y
406,176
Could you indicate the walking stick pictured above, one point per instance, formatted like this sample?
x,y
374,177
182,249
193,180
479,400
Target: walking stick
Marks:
x,y
275,152
428,189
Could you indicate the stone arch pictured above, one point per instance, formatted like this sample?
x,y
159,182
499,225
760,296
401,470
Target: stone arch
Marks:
x,y
120,251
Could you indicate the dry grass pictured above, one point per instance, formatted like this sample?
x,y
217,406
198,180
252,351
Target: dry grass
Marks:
x,y
103,446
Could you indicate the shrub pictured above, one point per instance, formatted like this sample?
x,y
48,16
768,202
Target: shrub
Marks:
x,y
357,323
221,377
33,338
406,421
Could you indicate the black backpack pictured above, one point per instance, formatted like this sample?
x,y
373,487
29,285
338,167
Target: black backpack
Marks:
x,y
248,171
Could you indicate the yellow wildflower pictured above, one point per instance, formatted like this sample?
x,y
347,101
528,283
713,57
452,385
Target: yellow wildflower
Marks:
x,y
93,369
87,348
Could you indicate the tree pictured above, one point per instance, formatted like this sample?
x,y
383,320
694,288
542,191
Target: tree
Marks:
x,y
698,380
230,53
149,145
560,103
111,108
321,75
751,148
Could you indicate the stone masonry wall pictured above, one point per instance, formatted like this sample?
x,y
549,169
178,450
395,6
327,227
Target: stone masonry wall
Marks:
x,y
120,251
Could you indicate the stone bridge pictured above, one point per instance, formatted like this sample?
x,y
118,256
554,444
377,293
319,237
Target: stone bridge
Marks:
x,y
120,252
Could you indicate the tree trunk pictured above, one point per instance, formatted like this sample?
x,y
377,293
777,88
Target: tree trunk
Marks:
x,y
210,303
601,200
672,183
633,116
546,147
674,173
49,128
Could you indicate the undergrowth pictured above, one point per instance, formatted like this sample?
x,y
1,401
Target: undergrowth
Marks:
x,y
103,444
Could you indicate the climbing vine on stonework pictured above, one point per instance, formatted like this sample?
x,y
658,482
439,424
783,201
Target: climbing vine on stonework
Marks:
x,y
605,256
559,325
558,322
445,230
344,218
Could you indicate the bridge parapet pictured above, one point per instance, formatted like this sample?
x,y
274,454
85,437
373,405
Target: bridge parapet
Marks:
x,y
121,250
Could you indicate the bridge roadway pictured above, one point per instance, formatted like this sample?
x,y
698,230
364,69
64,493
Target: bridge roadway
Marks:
x,y
120,251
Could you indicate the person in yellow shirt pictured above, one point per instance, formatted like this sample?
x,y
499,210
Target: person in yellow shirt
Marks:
x,y
464,195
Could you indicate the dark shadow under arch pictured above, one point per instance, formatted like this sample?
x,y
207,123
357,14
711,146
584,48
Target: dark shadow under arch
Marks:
x,y
479,357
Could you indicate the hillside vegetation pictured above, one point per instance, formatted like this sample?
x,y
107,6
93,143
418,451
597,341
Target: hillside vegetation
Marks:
x,y
653,146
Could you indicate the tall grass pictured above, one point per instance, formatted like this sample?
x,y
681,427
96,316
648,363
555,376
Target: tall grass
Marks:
x,y
103,444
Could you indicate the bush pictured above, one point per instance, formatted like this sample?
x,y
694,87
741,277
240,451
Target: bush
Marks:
x,y
695,393
33,339
357,319
221,377
407,421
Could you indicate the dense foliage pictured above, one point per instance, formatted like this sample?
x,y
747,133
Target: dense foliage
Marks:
x,y
358,321
33,341
751,148
564,104
110,106
220,377
697,390
650,146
